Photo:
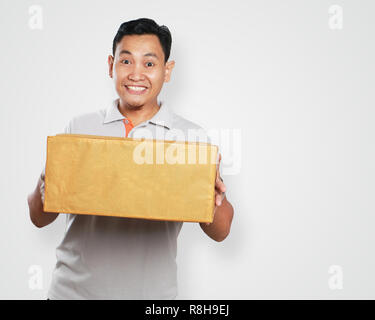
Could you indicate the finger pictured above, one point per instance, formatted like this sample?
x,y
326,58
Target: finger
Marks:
x,y
218,164
43,174
218,199
220,186
41,191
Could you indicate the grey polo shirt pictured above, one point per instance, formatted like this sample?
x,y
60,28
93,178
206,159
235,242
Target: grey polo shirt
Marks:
x,y
120,258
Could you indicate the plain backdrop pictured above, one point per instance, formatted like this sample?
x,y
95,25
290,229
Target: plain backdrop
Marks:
x,y
298,90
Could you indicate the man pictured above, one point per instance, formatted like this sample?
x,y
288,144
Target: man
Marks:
x,y
120,258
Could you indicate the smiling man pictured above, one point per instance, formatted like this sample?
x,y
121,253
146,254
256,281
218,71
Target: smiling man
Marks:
x,y
119,258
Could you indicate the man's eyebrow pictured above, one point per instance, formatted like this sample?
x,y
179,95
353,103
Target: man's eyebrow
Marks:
x,y
150,54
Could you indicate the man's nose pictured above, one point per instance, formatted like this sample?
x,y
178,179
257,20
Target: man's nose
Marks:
x,y
136,73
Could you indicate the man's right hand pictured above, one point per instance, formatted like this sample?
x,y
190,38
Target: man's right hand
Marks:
x,y
35,201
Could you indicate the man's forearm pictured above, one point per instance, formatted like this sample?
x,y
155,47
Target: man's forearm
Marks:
x,y
38,217
219,229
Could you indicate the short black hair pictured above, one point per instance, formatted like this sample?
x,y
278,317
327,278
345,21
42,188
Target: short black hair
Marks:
x,y
145,26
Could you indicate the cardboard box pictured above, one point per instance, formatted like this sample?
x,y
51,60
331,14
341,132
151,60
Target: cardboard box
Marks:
x,y
134,178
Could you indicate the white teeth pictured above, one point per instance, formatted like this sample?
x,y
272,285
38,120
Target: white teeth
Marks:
x,y
136,88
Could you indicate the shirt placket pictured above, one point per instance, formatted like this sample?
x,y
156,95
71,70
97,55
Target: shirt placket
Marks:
x,y
128,126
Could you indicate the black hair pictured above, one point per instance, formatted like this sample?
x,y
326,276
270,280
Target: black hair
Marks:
x,y
145,26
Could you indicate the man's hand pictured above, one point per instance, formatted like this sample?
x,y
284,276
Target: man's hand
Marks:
x,y
35,201
41,185
219,188
223,211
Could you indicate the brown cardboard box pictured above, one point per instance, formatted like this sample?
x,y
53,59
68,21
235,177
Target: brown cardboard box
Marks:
x,y
134,178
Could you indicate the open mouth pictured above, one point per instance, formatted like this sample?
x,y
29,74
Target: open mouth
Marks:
x,y
136,89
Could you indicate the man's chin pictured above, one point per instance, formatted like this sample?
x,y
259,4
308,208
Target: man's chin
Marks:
x,y
133,105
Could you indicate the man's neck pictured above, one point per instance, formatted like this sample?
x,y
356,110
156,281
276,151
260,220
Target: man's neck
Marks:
x,y
140,115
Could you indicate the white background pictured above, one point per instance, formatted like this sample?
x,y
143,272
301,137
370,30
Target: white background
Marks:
x,y
300,92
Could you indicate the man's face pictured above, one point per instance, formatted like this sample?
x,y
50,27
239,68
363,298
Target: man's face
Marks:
x,y
138,70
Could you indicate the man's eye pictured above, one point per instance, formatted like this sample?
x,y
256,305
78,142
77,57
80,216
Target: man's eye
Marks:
x,y
148,64
126,61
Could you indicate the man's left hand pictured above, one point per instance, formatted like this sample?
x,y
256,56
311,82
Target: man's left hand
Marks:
x,y
219,188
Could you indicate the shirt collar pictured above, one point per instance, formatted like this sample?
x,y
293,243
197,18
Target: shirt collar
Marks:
x,y
163,117
113,113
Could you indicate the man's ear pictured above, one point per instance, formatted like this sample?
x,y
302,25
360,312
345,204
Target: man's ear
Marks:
x,y
168,70
110,65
